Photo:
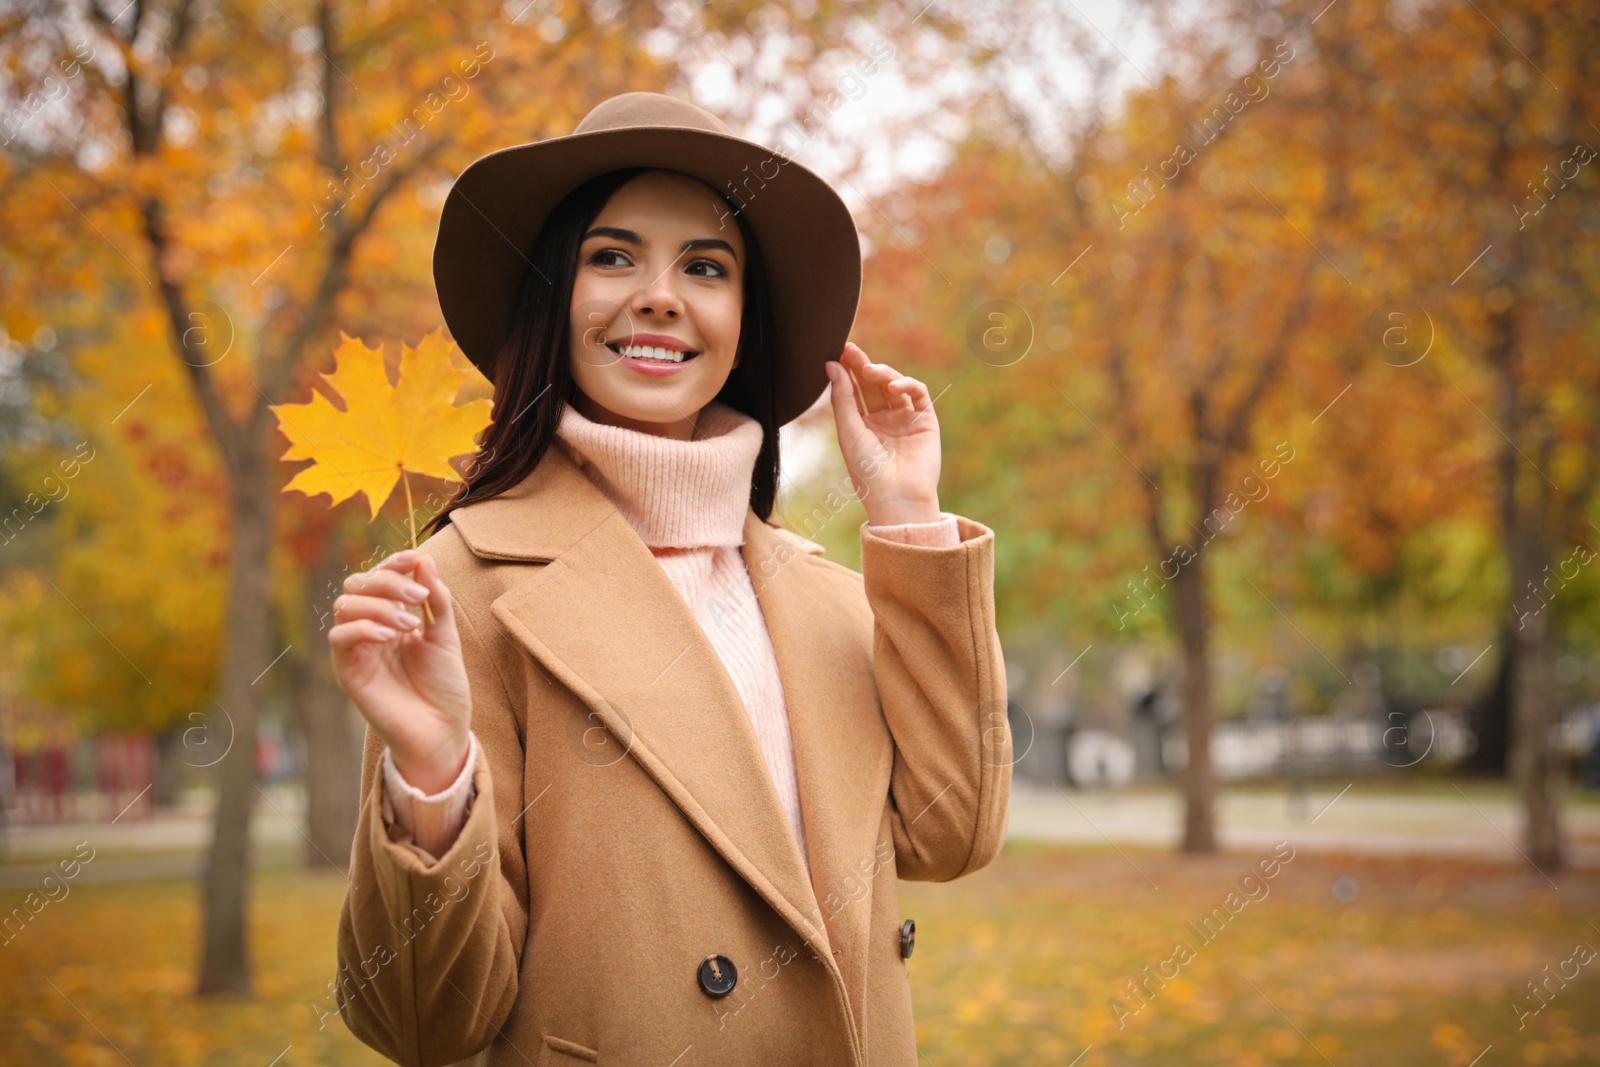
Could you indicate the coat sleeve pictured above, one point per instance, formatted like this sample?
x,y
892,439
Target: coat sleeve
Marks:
x,y
428,946
940,674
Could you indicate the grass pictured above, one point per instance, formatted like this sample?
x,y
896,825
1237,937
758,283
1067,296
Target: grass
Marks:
x,y
1412,962
103,976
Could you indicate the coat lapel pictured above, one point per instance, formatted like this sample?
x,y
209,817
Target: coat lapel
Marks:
x,y
842,748
602,618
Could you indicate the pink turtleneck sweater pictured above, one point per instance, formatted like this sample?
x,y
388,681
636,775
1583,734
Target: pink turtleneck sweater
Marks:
x,y
687,500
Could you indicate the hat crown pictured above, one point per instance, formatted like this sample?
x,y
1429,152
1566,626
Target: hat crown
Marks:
x,y
629,110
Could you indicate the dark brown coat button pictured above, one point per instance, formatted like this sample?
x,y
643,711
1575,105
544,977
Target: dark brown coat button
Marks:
x,y
718,975
908,937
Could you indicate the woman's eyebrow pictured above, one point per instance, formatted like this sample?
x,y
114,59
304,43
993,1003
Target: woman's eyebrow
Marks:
x,y
631,237
709,242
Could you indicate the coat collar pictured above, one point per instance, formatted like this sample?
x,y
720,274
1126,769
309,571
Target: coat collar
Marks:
x,y
603,618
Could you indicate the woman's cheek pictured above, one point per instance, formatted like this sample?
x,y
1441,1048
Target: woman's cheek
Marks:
x,y
724,327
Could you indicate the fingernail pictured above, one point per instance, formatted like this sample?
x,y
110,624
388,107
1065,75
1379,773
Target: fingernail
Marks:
x,y
406,619
415,591
386,633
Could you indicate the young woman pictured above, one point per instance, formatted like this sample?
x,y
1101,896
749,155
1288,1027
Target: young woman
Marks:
x,y
640,789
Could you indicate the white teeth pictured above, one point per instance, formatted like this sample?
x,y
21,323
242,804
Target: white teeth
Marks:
x,y
662,355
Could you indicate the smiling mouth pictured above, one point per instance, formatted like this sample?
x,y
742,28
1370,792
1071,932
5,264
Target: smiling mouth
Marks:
x,y
653,354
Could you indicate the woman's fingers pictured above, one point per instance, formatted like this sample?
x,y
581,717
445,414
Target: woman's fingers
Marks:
x,y
427,576
410,562
872,379
866,392
390,596
403,563
393,579
846,406
881,387
350,607
380,582
436,603
404,559
875,379
909,393
347,635
876,374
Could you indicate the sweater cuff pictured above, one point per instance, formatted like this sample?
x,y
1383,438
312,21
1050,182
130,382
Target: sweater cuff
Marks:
x,y
433,820
941,533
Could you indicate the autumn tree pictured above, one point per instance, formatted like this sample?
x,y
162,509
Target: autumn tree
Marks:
x,y
1488,151
1167,281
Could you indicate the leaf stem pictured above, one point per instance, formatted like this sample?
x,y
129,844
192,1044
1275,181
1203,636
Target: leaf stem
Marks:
x,y
411,521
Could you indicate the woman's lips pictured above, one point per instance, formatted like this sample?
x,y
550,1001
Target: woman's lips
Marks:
x,y
653,366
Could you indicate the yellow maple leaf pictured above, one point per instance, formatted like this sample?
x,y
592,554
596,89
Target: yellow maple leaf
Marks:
x,y
385,430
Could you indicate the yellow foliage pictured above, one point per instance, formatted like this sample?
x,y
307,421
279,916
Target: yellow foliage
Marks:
x,y
111,614
384,431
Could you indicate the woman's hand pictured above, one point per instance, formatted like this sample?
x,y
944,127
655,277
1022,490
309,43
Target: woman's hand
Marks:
x,y
892,451
407,678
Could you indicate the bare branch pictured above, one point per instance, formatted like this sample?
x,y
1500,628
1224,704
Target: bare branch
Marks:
x,y
1270,361
328,132
314,314
180,320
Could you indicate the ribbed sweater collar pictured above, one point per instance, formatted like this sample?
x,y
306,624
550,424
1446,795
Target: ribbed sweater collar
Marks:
x,y
675,494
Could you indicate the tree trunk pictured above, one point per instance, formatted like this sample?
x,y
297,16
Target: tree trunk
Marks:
x,y
167,779
1525,508
1490,713
1199,782
225,963
1535,762
327,721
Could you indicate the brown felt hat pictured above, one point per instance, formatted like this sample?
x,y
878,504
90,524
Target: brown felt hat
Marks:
x,y
808,240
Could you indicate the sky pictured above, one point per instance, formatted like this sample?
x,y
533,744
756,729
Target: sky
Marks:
x,y
932,118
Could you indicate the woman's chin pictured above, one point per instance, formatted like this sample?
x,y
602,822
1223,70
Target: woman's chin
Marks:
x,y
655,405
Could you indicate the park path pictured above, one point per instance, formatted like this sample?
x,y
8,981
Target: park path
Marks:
x,y
1357,817
1362,818
171,843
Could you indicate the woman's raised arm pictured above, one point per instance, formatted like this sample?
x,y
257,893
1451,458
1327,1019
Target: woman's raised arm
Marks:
x,y
940,673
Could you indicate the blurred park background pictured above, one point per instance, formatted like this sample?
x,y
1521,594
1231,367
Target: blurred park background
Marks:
x,y
1262,334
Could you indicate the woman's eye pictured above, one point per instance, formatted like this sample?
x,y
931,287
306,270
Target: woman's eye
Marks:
x,y
713,264
602,257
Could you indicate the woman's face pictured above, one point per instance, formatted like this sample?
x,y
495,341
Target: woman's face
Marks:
x,y
660,267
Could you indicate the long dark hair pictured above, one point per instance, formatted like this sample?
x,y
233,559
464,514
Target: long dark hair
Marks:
x,y
533,375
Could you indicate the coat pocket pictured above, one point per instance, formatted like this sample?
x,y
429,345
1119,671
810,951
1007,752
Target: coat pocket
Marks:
x,y
559,1052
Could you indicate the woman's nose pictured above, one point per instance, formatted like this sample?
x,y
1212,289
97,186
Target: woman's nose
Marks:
x,y
659,295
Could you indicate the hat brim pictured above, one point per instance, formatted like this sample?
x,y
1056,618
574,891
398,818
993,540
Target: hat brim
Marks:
x,y
496,208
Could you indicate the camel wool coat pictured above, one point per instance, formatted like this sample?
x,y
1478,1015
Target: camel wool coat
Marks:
x,y
627,842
